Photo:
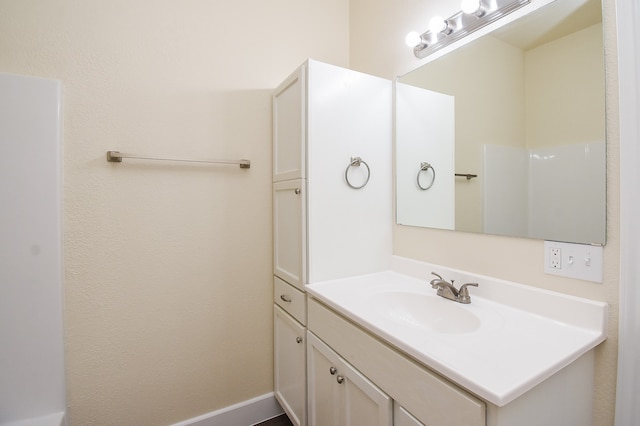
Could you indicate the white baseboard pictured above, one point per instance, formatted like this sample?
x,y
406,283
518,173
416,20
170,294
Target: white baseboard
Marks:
x,y
246,413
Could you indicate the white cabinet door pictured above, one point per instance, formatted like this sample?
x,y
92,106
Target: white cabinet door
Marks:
x,y
339,395
289,128
290,366
289,232
322,366
365,403
402,417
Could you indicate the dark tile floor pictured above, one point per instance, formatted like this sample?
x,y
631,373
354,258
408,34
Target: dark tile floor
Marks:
x,y
282,420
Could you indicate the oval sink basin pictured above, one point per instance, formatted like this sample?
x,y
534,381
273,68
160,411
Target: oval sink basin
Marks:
x,y
427,312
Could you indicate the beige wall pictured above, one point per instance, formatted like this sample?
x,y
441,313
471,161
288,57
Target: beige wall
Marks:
x,y
514,259
167,267
572,88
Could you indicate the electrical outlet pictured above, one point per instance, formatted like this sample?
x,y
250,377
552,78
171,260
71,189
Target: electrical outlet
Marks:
x,y
581,261
555,258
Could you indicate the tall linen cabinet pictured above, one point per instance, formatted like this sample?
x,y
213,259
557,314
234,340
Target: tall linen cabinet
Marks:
x,y
332,200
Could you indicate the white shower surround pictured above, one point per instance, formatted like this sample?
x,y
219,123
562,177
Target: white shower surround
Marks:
x,y
628,385
32,383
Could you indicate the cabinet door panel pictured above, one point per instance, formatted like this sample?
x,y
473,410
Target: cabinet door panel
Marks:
x,y
289,129
365,403
324,397
289,232
339,395
402,417
290,366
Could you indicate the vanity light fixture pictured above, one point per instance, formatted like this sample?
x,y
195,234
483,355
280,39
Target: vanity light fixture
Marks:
x,y
475,14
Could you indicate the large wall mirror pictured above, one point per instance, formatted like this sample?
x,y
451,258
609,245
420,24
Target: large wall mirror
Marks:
x,y
506,134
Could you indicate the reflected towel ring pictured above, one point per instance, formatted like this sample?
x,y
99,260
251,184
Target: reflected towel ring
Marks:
x,y
355,162
423,168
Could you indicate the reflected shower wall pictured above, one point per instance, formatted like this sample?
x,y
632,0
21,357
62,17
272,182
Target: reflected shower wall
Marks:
x,y
505,200
563,182
543,192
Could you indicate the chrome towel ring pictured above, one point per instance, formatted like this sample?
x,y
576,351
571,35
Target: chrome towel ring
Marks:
x,y
424,167
355,162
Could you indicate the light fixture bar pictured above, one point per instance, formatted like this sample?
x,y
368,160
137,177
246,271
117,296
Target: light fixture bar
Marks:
x,y
463,25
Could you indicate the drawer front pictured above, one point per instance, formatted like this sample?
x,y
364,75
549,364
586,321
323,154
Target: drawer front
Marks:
x,y
290,299
433,400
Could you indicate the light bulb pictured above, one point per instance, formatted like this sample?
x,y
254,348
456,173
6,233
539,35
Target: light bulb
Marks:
x,y
473,7
413,39
437,24
470,6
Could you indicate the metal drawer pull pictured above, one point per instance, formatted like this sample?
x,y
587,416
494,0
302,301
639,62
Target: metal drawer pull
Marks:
x,y
285,298
340,379
298,339
297,191
333,371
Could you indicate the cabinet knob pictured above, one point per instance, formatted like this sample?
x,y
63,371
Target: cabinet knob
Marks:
x,y
333,371
297,191
298,339
340,379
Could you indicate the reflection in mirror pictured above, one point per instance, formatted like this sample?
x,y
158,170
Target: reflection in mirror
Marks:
x,y
523,109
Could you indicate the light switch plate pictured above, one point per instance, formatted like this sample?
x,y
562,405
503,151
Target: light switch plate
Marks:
x,y
581,261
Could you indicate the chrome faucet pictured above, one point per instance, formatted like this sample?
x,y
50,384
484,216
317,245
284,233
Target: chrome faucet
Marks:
x,y
449,291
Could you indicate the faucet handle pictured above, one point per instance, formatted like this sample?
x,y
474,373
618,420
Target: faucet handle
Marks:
x,y
463,293
433,273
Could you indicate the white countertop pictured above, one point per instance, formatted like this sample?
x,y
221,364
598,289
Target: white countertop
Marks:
x,y
509,339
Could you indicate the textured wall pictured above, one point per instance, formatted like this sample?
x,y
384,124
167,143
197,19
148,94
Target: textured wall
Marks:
x,y
383,25
167,267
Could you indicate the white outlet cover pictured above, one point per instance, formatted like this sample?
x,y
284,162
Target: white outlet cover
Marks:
x,y
580,261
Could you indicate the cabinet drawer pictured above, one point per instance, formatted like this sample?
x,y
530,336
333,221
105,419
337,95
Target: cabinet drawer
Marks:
x,y
432,399
290,299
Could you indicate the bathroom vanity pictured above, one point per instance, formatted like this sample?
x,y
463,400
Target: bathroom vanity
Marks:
x,y
360,337
353,375
386,348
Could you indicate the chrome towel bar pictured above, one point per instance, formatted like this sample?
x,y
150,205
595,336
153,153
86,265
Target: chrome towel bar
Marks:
x,y
117,156
469,176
